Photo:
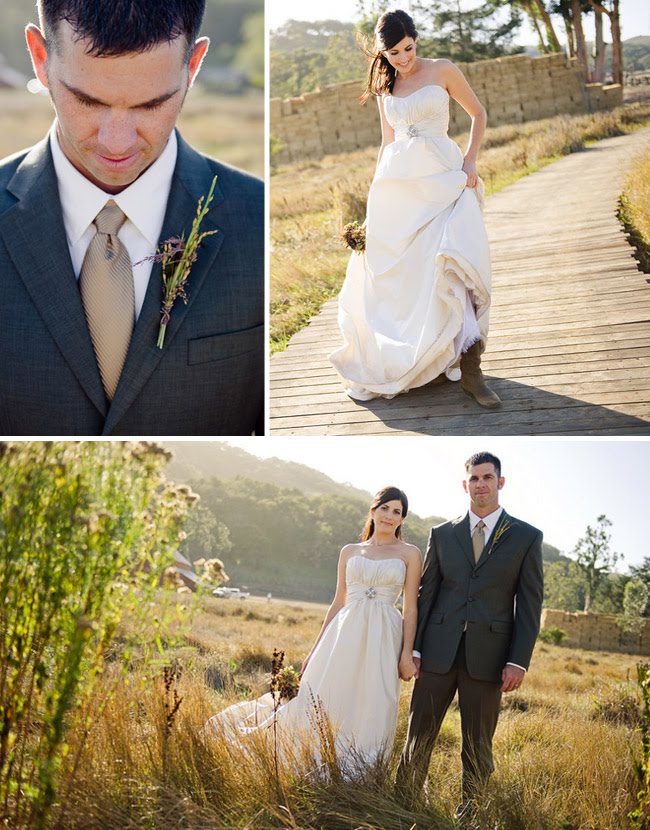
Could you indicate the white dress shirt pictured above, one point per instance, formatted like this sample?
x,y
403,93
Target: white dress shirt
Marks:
x,y
144,202
490,522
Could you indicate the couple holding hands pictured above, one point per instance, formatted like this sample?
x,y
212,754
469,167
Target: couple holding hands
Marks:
x,y
471,614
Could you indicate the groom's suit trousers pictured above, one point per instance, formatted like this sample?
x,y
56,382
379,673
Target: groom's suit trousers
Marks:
x,y
478,701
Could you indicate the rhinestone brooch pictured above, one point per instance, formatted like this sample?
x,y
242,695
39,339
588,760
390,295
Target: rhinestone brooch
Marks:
x,y
411,131
371,593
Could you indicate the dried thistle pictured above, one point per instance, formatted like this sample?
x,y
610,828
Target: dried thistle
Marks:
x,y
177,255
354,236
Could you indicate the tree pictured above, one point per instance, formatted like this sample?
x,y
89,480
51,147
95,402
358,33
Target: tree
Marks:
x,y
635,600
612,12
538,13
448,30
594,557
563,586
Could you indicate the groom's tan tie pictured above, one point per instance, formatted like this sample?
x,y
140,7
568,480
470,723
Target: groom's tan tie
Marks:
x,y
478,540
106,284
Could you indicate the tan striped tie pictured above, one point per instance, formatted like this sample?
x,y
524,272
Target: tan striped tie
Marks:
x,y
106,284
478,540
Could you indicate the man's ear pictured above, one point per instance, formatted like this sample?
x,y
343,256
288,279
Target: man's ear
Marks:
x,y
37,51
196,58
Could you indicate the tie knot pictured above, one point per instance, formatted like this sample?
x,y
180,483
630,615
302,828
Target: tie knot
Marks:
x,y
479,526
109,219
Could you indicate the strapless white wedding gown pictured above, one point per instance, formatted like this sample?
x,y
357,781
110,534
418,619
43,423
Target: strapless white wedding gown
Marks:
x,y
420,293
352,674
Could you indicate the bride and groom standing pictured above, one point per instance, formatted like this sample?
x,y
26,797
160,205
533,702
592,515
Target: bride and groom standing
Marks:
x,y
470,620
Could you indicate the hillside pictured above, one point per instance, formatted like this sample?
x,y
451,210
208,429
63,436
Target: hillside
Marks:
x,y
218,459
278,526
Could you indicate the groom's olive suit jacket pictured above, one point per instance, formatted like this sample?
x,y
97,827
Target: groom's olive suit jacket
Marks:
x,y
497,601
209,377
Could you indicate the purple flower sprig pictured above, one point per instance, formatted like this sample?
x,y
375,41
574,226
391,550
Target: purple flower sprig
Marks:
x,y
177,255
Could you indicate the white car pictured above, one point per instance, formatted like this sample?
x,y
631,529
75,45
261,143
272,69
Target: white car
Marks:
x,y
230,593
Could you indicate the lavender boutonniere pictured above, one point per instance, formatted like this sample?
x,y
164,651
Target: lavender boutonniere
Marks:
x,y
177,255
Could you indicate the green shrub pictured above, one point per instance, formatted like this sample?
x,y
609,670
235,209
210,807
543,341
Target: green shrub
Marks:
x,y
553,635
85,531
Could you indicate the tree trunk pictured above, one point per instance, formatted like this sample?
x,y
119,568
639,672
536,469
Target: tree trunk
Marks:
x,y
599,49
581,49
531,11
570,38
552,39
617,48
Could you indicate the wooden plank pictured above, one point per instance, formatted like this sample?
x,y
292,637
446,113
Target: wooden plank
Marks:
x,y
569,343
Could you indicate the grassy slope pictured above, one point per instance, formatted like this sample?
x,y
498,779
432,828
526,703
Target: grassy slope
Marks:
x,y
309,203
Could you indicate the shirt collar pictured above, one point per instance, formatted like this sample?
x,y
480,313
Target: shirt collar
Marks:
x,y
144,201
489,520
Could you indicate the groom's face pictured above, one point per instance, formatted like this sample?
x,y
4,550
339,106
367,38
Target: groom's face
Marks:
x,y
114,114
483,485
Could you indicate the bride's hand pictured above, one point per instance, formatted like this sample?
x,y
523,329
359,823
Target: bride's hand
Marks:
x,y
469,167
407,667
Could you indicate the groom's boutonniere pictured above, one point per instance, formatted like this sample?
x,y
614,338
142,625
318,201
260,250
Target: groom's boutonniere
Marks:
x,y
177,255
499,531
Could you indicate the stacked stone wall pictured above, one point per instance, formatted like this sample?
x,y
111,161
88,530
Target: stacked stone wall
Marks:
x,y
512,89
599,632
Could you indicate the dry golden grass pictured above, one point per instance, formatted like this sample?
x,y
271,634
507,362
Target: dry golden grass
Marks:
x,y
229,128
635,208
308,260
558,764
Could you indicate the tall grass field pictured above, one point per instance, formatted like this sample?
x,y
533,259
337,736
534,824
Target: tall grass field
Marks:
x,y
564,747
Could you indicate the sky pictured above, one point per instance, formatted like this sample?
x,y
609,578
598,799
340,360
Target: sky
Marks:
x,y
559,485
635,16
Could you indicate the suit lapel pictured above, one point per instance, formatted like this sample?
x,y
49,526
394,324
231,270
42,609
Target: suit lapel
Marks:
x,y
35,236
192,177
464,536
496,538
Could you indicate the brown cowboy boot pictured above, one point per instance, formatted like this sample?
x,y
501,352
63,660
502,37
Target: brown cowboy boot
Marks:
x,y
471,378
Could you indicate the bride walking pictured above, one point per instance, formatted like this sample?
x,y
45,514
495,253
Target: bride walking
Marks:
x,y
416,303
353,670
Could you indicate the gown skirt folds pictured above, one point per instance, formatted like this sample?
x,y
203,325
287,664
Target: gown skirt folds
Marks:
x,y
420,293
352,677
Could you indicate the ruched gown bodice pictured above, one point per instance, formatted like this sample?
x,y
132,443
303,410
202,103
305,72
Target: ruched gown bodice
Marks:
x,y
352,676
420,293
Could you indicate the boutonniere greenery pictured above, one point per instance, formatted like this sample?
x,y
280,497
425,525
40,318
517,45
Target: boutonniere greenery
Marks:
x,y
177,255
501,529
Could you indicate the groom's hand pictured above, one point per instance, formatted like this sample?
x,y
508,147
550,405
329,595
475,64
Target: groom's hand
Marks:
x,y
418,666
512,677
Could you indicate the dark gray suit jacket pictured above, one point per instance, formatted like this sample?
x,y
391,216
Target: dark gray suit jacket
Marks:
x,y
500,597
209,377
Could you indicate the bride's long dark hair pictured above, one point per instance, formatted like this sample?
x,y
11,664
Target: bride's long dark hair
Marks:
x,y
390,29
387,494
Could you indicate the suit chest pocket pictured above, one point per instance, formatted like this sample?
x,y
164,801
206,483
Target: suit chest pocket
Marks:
x,y
226,346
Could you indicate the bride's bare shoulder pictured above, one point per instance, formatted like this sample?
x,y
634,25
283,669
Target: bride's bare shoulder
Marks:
x,y
411,553
351,549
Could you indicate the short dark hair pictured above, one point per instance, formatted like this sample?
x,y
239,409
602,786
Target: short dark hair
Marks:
x,y
120,27
483,458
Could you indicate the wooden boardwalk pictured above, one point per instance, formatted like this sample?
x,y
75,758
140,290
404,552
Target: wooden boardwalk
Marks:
x,y
569,344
